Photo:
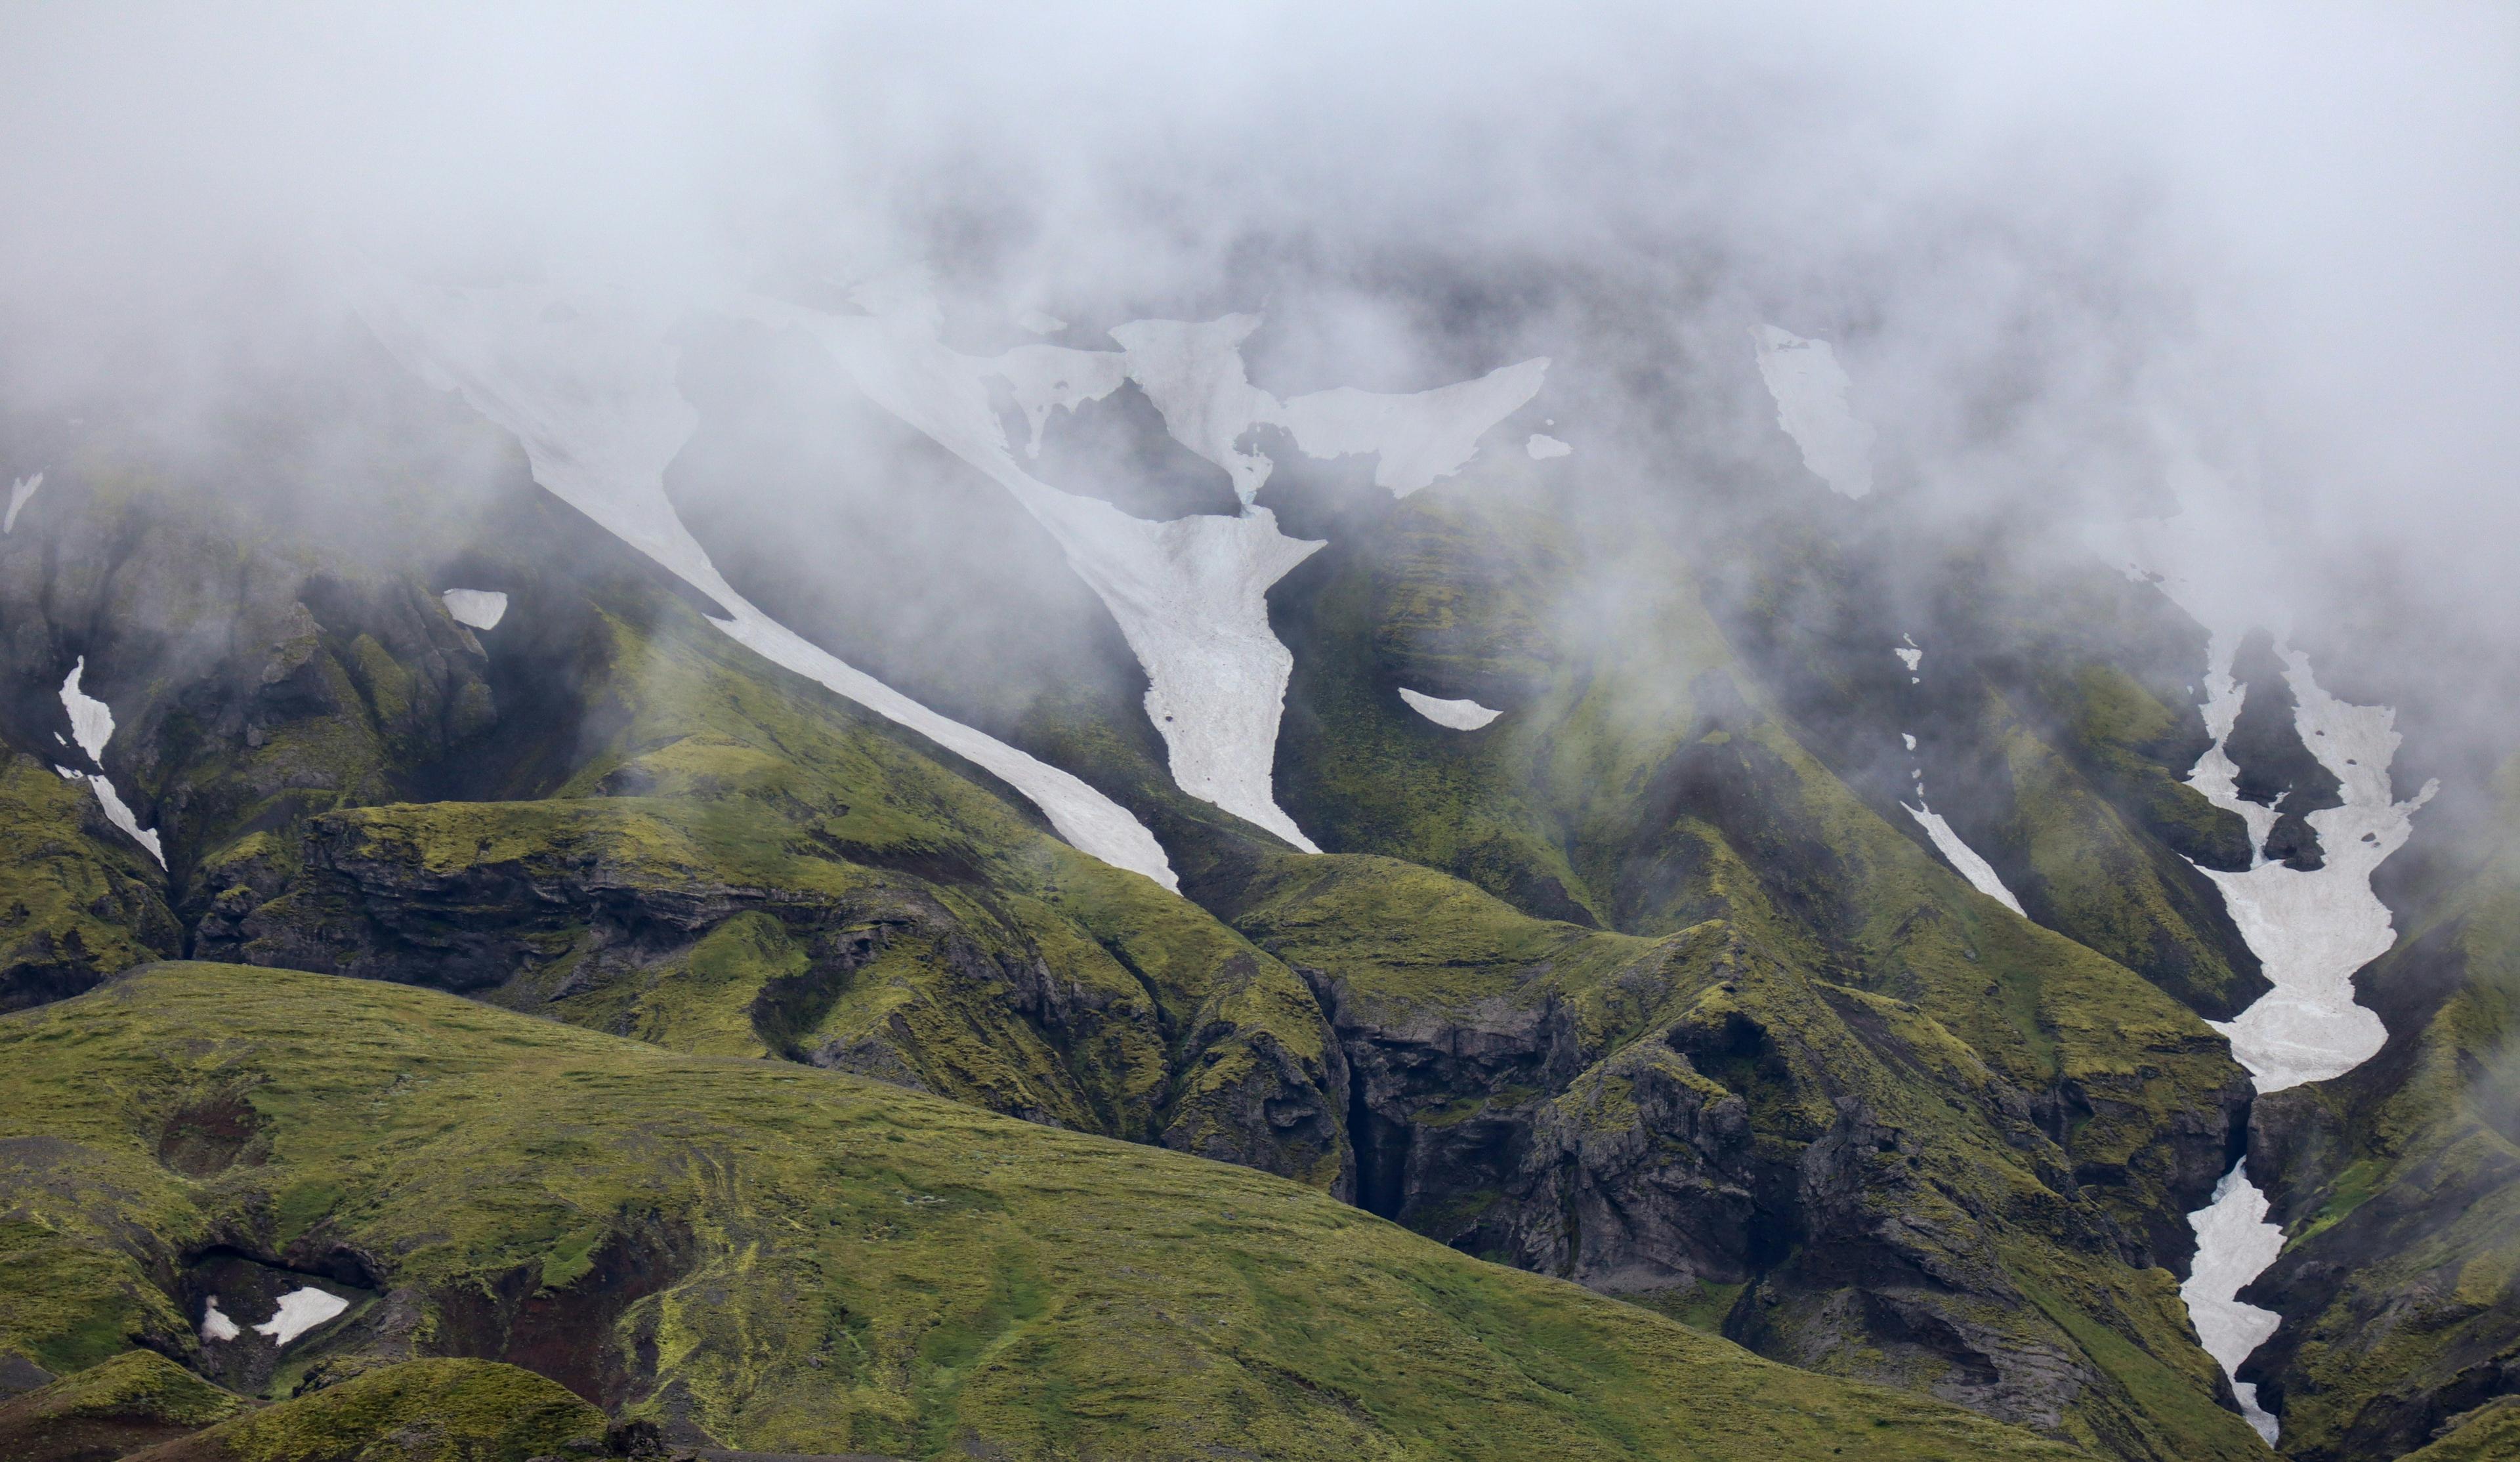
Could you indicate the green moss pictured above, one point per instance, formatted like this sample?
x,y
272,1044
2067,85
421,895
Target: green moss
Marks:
x,y
1971,1002
418,1411
984,1284
81,900
1700,1304
2489,1433
136,1398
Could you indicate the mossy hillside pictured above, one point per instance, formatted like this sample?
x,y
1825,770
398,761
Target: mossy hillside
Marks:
x,y
747,866
111,1410
2036,660
2489,1432
2093,878
862,1268
1451,593
1839,892
415,1411
1841,889
1702,1112
2398,1188
2138,741
1469,590
1617,783
81,900
258,670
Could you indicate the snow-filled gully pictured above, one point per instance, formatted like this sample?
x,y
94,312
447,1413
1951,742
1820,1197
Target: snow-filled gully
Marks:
x,y
594,401
92,725
1190,595
591,396
1964,859
2312,930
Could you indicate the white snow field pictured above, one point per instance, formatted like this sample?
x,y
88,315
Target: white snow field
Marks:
x,y
215,1325
2234,1244
92,725
1543,447
1418,437
1809,388
300,1310
18,492
591,396
1189,596
1962,857
1460,715
2312,930
1193,374
476,608
1046,376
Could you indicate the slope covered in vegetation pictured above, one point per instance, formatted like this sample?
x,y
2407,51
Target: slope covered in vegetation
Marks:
x,y
788,1259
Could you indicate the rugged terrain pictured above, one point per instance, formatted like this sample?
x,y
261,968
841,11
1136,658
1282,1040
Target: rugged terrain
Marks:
x,y
1635,1076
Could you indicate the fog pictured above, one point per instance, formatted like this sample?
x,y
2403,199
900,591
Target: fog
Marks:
x,y
2080,263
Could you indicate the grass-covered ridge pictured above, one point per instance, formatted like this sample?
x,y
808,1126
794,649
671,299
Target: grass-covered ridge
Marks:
x,y
820,1263
417,1411
118,1406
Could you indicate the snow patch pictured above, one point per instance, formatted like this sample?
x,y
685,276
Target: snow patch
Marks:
x,y
91,720
2234,1244
1193,374
1543,447
215,1325
1908,654
1460,715
1046,376
1910,740
591,394
18,492
2311,930
1962,857
300,1310
477,609
1189,596
1809,388
92,725
1418,437
1041,322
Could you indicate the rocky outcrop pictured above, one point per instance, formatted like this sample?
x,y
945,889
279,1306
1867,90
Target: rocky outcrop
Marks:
x,y
1826,1174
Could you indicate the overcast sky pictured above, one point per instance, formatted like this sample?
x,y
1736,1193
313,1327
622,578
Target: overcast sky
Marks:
x,y
2288,226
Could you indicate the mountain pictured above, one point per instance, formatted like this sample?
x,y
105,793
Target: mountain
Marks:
x,y
1353,944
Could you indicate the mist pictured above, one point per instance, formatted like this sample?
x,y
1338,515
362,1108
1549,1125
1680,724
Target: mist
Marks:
x,y
2081,265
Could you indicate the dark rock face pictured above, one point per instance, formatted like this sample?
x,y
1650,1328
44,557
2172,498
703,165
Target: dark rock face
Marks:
x,y
1755,1159
247,1293
2276,769
579,919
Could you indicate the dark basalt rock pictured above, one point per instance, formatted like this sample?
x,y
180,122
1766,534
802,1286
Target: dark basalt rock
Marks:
x,y
2276,769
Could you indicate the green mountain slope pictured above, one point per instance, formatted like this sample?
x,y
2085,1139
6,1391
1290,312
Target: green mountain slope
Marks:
x,y
1787,1077
786,1259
